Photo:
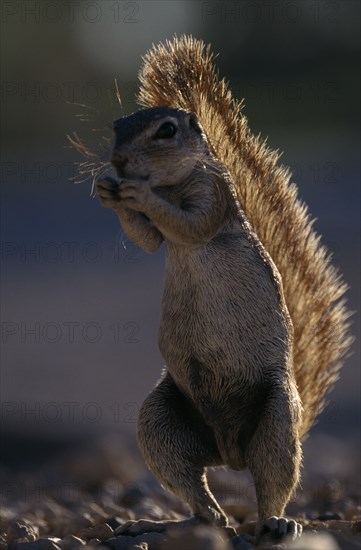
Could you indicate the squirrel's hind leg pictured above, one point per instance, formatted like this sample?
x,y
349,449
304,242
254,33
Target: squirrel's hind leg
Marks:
x,y
274,459
177,446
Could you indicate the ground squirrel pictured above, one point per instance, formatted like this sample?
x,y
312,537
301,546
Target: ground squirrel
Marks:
x,y
243,383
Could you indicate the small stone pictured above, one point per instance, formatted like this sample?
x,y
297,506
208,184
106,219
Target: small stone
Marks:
x,y
17,530
239,543
14,543
124,543
328,516
7,516
197,538
339,525
118,530
314,541
71,543
150,541
102,532
40,544
356,526
116,522
313,525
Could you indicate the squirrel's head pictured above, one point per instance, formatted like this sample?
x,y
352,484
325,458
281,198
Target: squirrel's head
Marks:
x,y
160,143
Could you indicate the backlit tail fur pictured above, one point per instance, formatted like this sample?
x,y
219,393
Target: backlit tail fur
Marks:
x,y
181,74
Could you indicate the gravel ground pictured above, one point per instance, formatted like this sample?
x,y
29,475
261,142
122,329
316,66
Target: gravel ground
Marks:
x,y
78,495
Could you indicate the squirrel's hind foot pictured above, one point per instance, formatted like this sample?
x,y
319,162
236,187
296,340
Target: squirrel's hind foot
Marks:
x,y
141,526
279,527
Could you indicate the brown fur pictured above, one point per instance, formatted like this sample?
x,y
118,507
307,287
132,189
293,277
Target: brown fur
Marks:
x,y
225,332
230,394
181,74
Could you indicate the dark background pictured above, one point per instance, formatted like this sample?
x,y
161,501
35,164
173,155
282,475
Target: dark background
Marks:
x,y
80,305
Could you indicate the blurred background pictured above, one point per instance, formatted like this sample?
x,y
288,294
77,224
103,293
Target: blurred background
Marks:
x,y
80,304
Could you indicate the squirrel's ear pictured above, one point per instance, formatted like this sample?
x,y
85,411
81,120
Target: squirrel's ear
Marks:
x,y
193,123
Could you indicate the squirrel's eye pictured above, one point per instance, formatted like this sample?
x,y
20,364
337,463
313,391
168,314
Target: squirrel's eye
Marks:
x,y
166,131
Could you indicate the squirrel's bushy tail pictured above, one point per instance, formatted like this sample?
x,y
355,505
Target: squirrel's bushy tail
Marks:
x,y
181,73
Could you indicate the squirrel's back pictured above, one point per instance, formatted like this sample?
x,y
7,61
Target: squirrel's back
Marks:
x,y
181,74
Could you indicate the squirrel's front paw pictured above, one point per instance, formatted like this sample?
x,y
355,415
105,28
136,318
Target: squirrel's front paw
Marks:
x,y
108,192
135,194
279,527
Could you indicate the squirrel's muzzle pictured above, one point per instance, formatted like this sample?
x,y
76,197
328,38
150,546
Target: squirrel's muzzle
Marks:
x,y
118,161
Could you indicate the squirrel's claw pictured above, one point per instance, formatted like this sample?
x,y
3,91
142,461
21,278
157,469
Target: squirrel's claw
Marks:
x,y
280,527
108,192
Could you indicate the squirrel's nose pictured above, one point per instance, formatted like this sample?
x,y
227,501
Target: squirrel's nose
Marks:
x,y
118,160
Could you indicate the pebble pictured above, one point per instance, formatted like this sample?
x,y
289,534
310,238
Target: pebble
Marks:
x,y
51,543
21,531
199,538
116,522
340,525
102,532
239,543
328,516
126,543
6,517
356,526
71,543
152,541
314,541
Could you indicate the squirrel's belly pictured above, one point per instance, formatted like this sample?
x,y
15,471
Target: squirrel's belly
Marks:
x,y
223,313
